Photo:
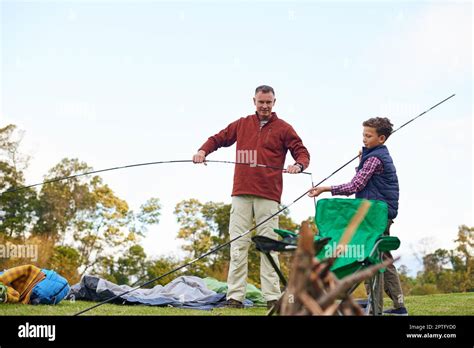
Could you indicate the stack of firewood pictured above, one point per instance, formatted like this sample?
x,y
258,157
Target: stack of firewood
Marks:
x,y
313,289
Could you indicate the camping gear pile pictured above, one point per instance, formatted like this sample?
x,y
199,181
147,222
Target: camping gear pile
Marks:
x,y
29,284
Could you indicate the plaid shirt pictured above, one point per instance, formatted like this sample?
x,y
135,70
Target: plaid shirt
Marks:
x,y
372,166
20,282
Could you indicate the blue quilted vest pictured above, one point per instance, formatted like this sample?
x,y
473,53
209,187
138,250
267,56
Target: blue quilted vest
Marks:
x,y
50,290
383,187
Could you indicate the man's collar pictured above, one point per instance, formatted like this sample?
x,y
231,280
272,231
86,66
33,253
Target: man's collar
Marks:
x,y
272,117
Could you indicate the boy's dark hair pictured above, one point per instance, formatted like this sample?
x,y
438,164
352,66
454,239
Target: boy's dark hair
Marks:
x,y
264,89
382,125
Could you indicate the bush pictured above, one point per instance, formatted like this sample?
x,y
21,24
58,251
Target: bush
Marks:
x,y
161,266
66,261
425,289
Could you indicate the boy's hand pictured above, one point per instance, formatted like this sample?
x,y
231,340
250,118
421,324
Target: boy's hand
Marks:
x,y
360,155
316,191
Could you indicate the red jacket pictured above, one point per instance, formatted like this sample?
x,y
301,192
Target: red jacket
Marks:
x,y
270,144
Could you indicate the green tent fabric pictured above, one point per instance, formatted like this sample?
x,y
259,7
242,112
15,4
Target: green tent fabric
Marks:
x,y
332,217
254,294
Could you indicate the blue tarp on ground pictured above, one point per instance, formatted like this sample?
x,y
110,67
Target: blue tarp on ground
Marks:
x,y
182,292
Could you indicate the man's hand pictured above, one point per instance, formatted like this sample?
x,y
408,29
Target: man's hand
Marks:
x,y
200,157
316,191
293,169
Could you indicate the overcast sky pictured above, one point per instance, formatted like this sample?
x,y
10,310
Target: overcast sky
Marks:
x,y
128,82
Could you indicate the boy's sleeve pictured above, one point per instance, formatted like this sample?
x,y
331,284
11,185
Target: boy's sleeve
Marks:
x,y
224,138
371,166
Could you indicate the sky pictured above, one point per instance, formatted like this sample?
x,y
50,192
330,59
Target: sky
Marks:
x,y
117,83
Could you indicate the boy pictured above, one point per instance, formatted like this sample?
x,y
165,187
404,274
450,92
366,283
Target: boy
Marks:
x,y
376,178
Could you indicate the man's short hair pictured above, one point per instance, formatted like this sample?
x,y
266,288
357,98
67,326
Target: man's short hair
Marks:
x,y
264,89
382,125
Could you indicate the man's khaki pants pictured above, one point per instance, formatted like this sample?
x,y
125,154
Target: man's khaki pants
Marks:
x,y
244,209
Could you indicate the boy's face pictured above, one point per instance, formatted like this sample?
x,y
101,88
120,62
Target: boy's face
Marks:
x,y
371,138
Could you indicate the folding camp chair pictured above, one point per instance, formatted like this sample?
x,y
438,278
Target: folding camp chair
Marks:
x,y
365,248
289,242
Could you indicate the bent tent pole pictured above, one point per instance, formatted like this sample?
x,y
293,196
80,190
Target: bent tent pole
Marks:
x,y
248,231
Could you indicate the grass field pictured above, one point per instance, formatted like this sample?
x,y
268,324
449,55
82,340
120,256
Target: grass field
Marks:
x,y
441,304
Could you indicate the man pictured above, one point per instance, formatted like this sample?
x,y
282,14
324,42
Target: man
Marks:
x,y
257,191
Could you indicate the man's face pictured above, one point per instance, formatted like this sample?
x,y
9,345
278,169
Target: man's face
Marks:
x,y
371,138
264,103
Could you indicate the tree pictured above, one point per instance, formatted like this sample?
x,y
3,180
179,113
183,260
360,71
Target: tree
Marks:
x,y
17,209
66,261
197,232
406,281
78,222
60,201
85,213
110,230
101,230
10,142
450,270
149,214
463,261
129,268
160,266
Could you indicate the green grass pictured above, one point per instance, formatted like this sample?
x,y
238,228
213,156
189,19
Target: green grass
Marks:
x,y
440,304
69,308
